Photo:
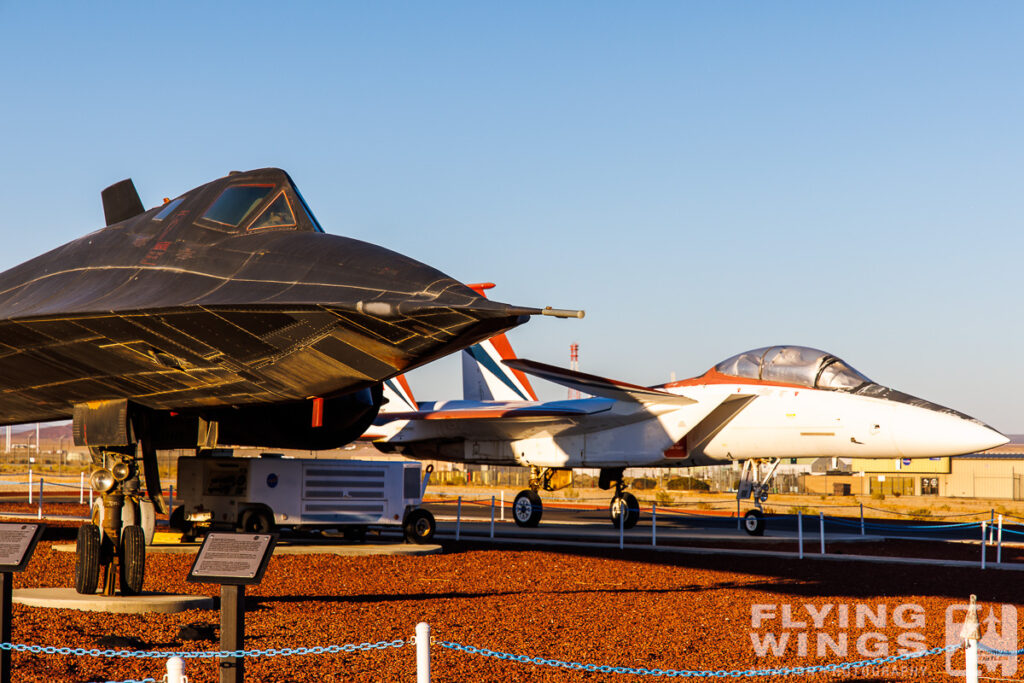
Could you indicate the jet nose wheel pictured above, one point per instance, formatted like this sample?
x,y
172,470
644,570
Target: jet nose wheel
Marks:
x,y
625,505
527,509
753,523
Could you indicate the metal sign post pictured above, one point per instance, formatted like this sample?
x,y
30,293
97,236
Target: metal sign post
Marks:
x,y
17,543
234,561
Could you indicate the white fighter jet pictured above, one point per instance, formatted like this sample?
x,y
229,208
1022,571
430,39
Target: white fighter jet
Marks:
x,y
756,407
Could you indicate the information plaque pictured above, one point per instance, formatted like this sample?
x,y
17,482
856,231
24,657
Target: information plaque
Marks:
x,y
17,542
232,559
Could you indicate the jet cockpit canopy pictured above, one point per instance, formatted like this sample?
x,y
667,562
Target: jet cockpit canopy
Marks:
x,y
794,365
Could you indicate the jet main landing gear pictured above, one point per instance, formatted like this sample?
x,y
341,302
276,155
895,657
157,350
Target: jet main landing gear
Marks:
x,y
527,507
624,509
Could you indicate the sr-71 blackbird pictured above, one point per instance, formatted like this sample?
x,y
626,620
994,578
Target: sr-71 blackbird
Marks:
x,y
225,316
756,407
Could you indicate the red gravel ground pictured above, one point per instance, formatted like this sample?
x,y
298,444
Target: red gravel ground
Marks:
x,y
619,608
632,608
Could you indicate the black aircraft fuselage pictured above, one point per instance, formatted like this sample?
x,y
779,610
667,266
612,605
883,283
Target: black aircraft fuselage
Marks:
x,y
224,316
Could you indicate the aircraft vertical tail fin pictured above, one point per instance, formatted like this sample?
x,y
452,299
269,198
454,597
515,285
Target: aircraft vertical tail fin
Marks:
x,y
399,396
121,202
485,377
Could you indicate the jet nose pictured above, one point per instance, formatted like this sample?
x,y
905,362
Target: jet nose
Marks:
x,y
922,432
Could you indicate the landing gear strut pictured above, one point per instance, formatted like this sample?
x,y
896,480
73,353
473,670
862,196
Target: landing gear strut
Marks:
x,y
752,485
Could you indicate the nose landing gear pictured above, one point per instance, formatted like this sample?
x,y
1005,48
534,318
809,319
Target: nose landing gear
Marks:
x,y
754,486
114,540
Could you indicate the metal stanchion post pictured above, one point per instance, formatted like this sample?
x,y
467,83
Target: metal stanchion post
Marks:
x,y
81,488
492,516
232,632
983,524
175,670
6,602
862,519
39,515
622,523
821,528
30,485
422,652
458,516
971,634
503,505
654,524
999,542
800,532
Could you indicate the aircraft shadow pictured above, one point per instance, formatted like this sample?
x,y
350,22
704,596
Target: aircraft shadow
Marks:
x,y
811,577
261,601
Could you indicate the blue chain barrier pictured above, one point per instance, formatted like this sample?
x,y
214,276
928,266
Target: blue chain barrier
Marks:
x,y
685,673
164,654
484,652
999,653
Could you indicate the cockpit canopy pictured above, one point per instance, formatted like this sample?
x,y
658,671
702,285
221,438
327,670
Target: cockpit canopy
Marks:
x,y
794,365
253,201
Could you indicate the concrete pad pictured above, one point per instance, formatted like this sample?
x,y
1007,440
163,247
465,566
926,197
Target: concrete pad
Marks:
x,y
67,598
292,548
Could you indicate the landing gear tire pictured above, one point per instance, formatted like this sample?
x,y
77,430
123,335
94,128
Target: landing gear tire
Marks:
x,y
527,509
132,564
87,563
257,522
753,523
419,526
625,504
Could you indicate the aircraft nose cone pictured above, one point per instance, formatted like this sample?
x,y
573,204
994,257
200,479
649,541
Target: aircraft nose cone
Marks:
x,y
930,433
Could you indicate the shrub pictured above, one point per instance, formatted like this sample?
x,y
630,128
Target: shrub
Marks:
x,y
687,484
644,484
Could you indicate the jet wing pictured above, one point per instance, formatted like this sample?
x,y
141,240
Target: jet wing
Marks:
x,y
598,386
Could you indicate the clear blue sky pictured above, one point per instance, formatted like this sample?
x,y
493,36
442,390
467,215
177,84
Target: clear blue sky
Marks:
x,y
702,178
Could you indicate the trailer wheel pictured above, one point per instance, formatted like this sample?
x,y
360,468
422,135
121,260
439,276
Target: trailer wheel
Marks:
x,y
132,559
419,526
257,522
87,559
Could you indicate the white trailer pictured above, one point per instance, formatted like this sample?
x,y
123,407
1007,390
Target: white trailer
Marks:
x,y
261,494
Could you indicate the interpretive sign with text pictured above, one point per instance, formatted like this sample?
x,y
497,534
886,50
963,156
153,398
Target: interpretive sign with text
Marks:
x,y
17,542
233,559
